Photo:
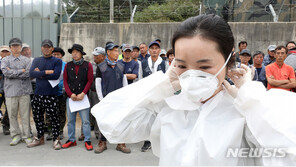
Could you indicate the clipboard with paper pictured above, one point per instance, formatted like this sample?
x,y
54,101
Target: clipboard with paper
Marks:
x,y
79,105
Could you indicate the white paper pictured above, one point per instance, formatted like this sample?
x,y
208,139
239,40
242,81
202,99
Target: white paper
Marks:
x,y
54,83
79,105
99,88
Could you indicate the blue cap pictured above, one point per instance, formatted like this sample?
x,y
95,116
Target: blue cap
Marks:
x,y
110,46
154,43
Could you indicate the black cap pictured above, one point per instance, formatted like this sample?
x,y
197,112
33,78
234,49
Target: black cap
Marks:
x,y
158,40
154,43
15,41
60,50
245,51
77,47
47,42
136,47
110,46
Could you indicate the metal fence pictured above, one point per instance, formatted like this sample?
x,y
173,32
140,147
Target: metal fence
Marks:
x,y
252,10
30,20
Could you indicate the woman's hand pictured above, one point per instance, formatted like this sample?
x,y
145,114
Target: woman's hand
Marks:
x,y
171,72
239,76
73,97
80,96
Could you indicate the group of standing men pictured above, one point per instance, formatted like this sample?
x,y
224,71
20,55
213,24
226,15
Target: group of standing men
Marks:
x,y
276,69
76,81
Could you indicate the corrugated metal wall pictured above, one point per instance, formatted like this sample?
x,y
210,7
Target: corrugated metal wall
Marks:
x,y
30,20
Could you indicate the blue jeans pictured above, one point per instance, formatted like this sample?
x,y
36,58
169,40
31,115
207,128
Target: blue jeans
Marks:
x,y
84,115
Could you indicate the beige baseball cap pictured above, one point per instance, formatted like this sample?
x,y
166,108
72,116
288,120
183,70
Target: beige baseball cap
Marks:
x,y
4,47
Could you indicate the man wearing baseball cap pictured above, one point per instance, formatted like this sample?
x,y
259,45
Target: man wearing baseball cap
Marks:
x,y
17,89
269,58
135,55
99,57
26,51
131,67
99,54
45,98
110,77
153,64
4,51
245,57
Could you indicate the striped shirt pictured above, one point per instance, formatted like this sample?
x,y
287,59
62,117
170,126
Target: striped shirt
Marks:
x,y
17,82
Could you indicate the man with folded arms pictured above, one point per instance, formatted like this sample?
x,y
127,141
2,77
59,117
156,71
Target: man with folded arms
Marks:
x,y
17,89
45,98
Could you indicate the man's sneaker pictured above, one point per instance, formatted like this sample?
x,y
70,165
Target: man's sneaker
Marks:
x,y
146,146
57,144
49,136
88,145
15,140
69,144
28,140
6,130
81,137
102,146
36,142
123,148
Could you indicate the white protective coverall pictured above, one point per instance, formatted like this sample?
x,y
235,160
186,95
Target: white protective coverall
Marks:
x,y
182,134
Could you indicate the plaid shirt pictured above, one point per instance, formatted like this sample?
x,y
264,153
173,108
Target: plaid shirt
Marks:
x,y
16,82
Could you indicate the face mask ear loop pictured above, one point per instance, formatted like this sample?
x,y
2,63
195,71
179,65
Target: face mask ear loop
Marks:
x,y
224,65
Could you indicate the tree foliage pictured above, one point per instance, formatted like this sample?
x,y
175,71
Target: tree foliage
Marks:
x,y
147,10
171,11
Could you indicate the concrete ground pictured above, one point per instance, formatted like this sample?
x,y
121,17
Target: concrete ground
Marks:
x,y
75,156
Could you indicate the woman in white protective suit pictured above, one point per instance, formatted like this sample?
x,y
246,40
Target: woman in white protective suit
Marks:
x,y
210,122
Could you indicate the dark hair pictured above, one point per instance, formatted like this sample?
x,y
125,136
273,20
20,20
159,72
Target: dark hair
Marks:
x,y
258,53
158,40
290,42
211,27
171,51
242,42
108,42
281,47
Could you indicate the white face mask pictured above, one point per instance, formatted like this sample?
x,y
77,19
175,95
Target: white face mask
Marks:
x,y
199,86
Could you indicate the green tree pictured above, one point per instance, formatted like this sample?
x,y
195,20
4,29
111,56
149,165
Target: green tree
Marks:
x,y
89,10
147,10
170,11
